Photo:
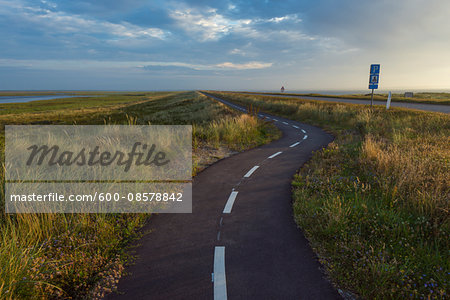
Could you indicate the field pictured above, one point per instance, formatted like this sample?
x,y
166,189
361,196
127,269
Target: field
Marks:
x,y
67,255
422,97
375,203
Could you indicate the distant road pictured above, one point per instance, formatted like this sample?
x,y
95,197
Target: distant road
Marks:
x,y
419,106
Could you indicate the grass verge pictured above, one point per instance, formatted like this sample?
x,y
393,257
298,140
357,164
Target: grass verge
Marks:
x,y
427,98
374,204
73,256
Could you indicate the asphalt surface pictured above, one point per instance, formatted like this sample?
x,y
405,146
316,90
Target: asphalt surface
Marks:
x,y
420,106
247,249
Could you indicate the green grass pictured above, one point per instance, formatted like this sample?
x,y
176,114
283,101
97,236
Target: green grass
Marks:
x,y
67,107
82,255
375,203
427,98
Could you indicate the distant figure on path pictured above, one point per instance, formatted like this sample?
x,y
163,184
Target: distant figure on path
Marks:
x,y
282,89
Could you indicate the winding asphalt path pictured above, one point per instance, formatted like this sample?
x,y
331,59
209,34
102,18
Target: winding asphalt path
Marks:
x,y
240,241
420,106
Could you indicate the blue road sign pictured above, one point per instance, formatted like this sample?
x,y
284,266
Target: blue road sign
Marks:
x,y
373,79
374,69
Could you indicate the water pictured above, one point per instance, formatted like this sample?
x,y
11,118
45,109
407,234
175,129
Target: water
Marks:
x,y
22,99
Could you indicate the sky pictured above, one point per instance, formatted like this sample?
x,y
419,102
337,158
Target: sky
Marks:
x,y
223,45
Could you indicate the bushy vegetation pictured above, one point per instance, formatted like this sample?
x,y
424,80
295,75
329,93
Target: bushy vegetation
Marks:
x,y
375,203
82,255
430,98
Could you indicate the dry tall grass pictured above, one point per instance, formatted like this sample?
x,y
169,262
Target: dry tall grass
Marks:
x,y
416,172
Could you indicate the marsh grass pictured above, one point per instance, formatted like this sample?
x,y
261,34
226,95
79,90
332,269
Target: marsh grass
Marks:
x,y
375,203
423,97
82,255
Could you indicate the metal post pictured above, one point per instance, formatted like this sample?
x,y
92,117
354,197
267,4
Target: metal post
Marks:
x,y
371,99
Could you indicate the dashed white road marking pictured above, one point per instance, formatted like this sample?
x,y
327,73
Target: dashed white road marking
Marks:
x,y
273,155
285,123
295,126
249,173
305,137
275,120
220,280
230,202
303,131
293,145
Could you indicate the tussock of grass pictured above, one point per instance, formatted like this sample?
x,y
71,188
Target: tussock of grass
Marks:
x,y
61,256
82,255
238,133
375,203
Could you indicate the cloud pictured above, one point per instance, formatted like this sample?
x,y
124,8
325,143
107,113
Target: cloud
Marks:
x,y
207,25
253,65
237,51
131,65
62,23
55,22
231,6
245,66
292,18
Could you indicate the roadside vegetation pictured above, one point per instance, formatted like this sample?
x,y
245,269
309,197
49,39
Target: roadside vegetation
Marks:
x,y
375,203
428,98
62,256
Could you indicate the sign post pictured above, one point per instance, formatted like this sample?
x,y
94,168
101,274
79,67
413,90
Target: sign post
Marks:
x,y
374,78
388,103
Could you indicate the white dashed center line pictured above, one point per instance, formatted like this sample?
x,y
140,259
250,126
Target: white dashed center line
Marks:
x,y
293,145
305,137
303,131
249,173
273,155
230,203
285,123
295,126
220,280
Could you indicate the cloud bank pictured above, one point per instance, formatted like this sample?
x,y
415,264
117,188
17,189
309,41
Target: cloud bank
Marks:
x,y
137,44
